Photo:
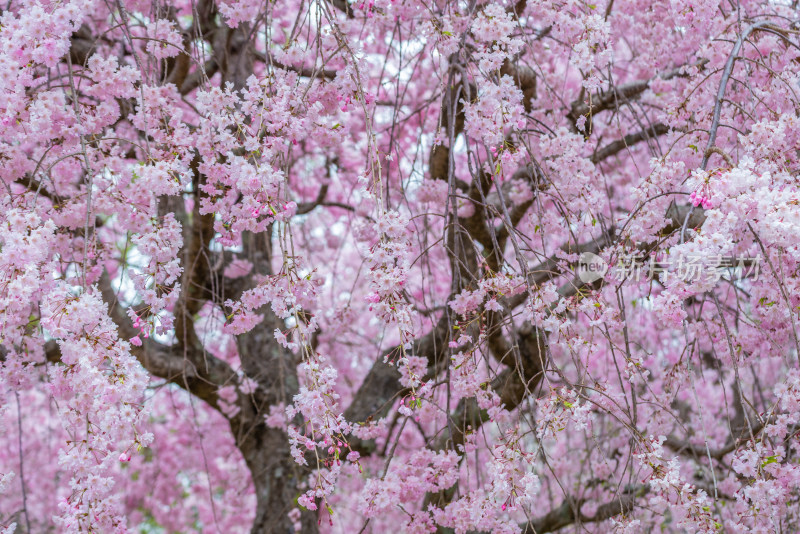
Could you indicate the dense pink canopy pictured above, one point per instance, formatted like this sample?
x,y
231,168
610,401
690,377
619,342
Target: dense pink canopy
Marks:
x,y
397,266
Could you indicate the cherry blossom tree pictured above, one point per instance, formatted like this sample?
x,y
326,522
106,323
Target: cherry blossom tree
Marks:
x,y
397,266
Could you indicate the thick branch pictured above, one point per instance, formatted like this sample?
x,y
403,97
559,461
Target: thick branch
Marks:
x,y
512,385
196,280
629,140
36,187
611,98
699,451
199,76
344,7
82,46
382,385
524,78
190,367
569,513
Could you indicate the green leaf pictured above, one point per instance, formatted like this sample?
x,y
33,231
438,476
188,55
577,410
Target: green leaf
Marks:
x,y
770,460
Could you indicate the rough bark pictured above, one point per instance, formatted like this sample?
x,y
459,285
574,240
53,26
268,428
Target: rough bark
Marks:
x,y
276,477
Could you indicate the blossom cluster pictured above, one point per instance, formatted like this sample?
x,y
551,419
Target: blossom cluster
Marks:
x,y
100,389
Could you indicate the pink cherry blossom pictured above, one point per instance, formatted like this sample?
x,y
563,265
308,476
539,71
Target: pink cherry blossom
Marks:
x,y
393,266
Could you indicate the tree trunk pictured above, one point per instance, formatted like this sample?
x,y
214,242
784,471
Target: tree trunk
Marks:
x,y
276,477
